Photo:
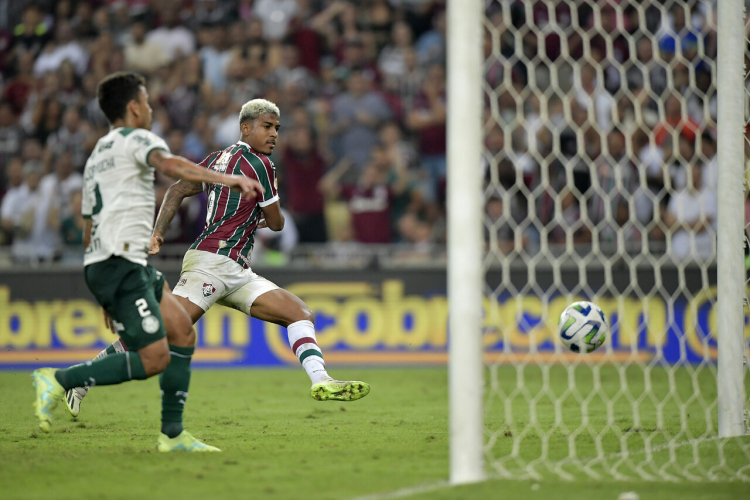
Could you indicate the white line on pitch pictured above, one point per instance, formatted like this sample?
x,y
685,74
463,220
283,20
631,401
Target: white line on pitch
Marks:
x,y
426,488
406,492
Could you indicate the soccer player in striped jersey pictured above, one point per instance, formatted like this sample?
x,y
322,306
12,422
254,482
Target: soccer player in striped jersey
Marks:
x,y
216,268
118,205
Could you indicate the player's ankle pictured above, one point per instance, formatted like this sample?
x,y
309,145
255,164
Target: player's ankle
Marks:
x,y
171,429
319,376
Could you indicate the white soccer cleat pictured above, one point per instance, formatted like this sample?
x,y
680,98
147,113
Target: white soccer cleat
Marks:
x,y
73,398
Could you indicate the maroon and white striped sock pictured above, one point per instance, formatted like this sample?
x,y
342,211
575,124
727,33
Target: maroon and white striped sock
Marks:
x,y
305,347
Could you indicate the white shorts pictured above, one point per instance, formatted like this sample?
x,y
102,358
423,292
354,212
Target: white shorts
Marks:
x,y
208,278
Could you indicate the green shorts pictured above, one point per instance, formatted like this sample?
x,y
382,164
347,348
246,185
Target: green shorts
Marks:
x,y
130,293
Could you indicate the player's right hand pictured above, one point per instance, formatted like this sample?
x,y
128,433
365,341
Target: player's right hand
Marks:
x,y
155,244
248,188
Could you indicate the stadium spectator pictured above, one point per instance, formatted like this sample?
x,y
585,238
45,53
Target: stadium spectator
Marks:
x,y
690,218
708,157
45,116
675,122
498,233
392,59
416,232
33,218
144,56
176,40
65,47
356,115
215,55
11,136
32,33
60,185
430,47
73,137
197,141
612,186
427,120
647,73
13,180
592,96
568,221
19,88
370,197
276,16
302,172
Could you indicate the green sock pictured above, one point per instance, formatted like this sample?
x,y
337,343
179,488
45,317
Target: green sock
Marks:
x,y
110,370
174,383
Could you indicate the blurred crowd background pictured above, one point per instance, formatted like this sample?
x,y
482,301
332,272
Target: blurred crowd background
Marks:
x,y
600,116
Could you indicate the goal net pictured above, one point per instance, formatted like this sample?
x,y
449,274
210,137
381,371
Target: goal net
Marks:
x,y
601,184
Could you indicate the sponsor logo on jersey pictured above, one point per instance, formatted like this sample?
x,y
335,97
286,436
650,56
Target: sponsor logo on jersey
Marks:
x,y
222,163
150,324
222,244
182,282
245,260
208,289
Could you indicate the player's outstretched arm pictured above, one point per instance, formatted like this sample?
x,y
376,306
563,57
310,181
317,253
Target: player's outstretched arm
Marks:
x,y
172,200
182,168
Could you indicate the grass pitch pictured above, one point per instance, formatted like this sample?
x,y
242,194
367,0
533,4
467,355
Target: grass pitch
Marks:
x,y
281,444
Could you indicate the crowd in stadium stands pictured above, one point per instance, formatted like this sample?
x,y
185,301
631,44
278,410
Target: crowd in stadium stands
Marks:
x,y
606,128
626,122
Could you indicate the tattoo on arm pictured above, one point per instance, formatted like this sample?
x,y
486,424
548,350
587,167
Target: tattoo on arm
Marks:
x,y
172,201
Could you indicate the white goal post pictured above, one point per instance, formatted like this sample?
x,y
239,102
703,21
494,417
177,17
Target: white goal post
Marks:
x,y
731,227
576,130
464,188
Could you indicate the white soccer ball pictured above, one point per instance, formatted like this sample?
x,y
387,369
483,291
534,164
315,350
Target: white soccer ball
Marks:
x,y
582,327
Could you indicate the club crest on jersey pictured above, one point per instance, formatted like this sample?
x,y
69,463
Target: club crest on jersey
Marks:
x,y
182,282
208,289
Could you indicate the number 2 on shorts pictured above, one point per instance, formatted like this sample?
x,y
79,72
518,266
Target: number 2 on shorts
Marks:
x,y
142,306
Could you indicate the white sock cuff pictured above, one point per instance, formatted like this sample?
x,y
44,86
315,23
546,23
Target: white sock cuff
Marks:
x,y
301,324
300,329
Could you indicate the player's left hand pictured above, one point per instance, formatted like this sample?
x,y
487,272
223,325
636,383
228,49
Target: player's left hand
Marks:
x,y
262,224
155,244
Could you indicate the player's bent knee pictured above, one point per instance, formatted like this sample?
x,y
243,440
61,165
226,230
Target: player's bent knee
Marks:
x,y
308,315
300,314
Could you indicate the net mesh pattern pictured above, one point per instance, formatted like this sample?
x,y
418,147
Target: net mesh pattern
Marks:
x,y
600,184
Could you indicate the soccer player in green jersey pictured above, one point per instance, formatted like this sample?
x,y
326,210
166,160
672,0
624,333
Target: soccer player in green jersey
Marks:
x,y
118,204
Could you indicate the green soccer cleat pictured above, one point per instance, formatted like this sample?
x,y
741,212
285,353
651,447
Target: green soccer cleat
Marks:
x,y
48,393
183,442
336,390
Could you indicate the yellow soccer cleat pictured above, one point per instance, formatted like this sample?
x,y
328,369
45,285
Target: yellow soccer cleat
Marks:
x,y
48,393
336,390
183,442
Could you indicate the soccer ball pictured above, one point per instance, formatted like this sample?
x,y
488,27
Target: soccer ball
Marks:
x,y
582,327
